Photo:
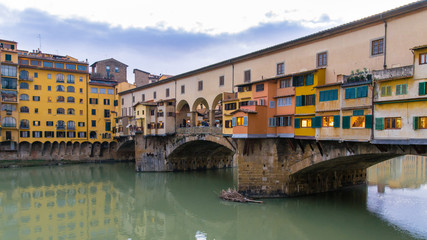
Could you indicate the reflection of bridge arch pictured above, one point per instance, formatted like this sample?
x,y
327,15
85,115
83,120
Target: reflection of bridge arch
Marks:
x,y
200,152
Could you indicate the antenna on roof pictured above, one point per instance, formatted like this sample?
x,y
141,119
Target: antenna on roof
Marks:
x,y
40,41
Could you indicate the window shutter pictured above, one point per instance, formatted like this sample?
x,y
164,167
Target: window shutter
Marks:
x,y
379,124
398,89
388,90
316,122
309,79
422,88
322,97
303,100
358,112
336,121
368,121
297,122
233,122
299,101
346,122
8,57
314,99
245,121
404,89
415,124
382,91
281,121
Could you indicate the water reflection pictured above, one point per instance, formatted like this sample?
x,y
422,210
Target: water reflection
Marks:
x,y
111,201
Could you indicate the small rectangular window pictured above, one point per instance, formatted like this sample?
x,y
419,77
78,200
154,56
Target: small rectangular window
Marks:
x,y
328,121
154,95
221,81
306,122
280,68
423,58
285,83
385,91
182,89
377,47
167,92
200,85
322,59
392,123
401,89
8,57
259,87
59,65
116,69
247,76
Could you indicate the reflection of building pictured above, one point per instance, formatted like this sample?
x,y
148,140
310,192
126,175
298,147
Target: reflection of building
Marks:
x,y
408,171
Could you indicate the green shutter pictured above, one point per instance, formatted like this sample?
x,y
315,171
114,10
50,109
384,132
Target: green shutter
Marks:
x,y
8,57
368,121
388,90
334,94
398,89
309,79
299,101
336,121
379,123
382,91
350,93
245,121
358,112
362,92
116,103
297,122
108,126
314,99
404,89
415,124
316,122
303,103
346,122
322,96
422,88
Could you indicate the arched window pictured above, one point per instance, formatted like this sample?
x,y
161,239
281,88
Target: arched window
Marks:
x,y
70,99
92,135
60,88
60,111
25,124
70,89
71,125
24,97
60,78
70,79
8,122
24,85
60,124
70,111
60,99
24,109
23,75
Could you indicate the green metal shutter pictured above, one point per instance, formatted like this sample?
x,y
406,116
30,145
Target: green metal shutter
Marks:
x,y
297,122
299,101
314,99
336,121
404,89
316,122
8,57
368,121
346,122
398,89
358,112
322,96
245,121
108,126
309,79
422,88
415,124
302,100
334,94
233,122
379,123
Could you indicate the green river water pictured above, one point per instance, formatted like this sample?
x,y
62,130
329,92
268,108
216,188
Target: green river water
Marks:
x,y
112,201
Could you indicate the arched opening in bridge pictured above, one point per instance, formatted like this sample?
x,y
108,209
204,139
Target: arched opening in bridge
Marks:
x,y
216,112
125,150
183,115
201,113
201,154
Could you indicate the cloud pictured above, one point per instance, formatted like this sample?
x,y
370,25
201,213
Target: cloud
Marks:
x,y
165,50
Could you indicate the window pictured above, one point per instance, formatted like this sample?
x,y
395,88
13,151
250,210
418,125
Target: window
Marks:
x,y
59,78
36,98
24,97
306,122
93,100
423,58
182,89
283,121
401,89
81,68
322,59
247,76
106,101
328,95
228,124
221,81
48,64
71,125
60,134
71,111
70,78
167,92
36,110
49,88
154,95
8,83
422,88
287,101
230,106
328,121
23,75
116,69
420,123
49,76
93,122
392,123
49,123
200,84
81,124
23,61
358,122
385,91
49,134
37,87
60,125
305,100
298,81
377,47
285,83
24,134
8,107
272,122
60,111
93,111
60,99
102,91
81,112
272,104
280,68
93,90
70,66
36,75
25,124
49,111
82,134
8,71
71,134
24,109
60,88
36,123
8,122
70,89
259,87
107,113
37,134
59,65
110,91
8,57
70,99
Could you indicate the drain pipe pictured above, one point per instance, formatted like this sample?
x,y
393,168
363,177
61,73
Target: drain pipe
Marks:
x,y
385,44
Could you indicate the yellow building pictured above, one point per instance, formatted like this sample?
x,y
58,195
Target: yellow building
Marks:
x,y
305,92
53,98
9,100
328,111
229,105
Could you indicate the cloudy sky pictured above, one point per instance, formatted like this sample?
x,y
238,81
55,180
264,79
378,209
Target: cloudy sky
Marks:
x,y
169,36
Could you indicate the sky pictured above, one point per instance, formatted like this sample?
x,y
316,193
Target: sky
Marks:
x,y
169,36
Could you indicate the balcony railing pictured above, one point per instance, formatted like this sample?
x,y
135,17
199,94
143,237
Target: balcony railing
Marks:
x,y
60,127
25,78
9,125
71,128
24,127
394,73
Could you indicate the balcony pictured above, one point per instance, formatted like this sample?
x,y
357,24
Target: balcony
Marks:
x,y
71,128
394,73
7,138
60,127
357,77
25,78
9,125
24,127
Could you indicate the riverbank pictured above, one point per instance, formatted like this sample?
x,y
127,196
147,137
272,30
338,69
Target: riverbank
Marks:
x,y
37,163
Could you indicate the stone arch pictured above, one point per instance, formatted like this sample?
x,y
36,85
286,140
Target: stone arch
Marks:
x,y
96,149
126,150
113,150
200,109
182,112
55,150
104,151
181,104
199,101
85,149
216,111
24,149
47,146
36,150
76,149
69,148
196,152
62,146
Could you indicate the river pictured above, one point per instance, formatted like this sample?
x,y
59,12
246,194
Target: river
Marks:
x,y
111,201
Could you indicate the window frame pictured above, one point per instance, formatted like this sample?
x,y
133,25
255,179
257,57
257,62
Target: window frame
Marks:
x,y
322,59
247,76
282,68
388,123
374,49
422,58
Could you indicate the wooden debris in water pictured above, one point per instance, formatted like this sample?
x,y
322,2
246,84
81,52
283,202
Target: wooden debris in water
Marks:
x,y
233,195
